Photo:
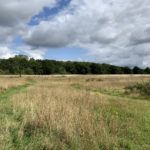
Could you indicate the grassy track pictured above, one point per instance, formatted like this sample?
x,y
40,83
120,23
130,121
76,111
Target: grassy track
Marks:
x,y
8,119
14,90
111,93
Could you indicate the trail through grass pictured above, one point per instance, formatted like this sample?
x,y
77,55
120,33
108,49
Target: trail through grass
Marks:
x,y
111,93
8,119
14,90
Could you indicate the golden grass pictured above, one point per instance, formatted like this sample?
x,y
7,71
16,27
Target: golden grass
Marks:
x,y
8,82
70,118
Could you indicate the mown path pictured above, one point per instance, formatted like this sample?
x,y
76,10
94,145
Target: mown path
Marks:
x,y
14,90
111,93
8,120
115,93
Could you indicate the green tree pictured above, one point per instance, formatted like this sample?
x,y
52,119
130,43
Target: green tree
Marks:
x,y
21,61
96,68
147,70
137,70
127,70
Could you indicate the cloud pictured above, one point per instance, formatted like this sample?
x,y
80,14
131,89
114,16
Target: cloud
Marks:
x,y
14,15
32,52
5,52
13,12
112,31
141,36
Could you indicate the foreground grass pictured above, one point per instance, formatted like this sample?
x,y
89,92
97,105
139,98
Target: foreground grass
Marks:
x,y
53,115
7,117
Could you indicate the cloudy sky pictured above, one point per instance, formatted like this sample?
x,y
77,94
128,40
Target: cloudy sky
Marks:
x,y
104,31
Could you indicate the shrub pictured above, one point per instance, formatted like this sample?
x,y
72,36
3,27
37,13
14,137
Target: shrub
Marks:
x,y
139,88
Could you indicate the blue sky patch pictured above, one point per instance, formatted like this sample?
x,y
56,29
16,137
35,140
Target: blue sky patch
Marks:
x,y
47,12
73,54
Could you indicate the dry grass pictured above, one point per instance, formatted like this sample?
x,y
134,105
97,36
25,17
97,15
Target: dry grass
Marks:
x,y
66,111
8,82
54,115
58,116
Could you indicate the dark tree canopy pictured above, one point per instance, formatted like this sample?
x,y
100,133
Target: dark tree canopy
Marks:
x,y
21,64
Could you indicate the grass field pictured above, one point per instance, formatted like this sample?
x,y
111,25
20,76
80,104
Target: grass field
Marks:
x,y
75,112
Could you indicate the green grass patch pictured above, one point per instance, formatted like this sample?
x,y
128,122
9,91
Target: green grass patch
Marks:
x,y
9,121
77,86
13,90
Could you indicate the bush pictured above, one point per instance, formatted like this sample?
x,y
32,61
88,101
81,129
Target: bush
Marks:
x,y
139,88
2,72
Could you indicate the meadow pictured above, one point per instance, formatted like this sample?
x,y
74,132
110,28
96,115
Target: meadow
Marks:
x,y
78,112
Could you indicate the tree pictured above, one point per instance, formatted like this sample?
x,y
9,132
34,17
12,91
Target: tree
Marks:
x,y
28,71
70,67
21,64
115,70
137,70
21,61
82,68
48,67
127,70
1,72
147,70
96,68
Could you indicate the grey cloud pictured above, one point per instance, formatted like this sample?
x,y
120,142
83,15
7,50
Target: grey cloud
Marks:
x,y
141,36
14,15
112,31
13,12
52,37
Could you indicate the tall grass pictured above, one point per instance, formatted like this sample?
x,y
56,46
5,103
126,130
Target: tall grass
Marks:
x,y
8,82
54,115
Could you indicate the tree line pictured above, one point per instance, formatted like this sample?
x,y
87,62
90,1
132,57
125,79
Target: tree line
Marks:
x,y
21,64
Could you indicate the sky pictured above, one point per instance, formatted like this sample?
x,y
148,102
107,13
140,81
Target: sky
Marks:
x,y
103,31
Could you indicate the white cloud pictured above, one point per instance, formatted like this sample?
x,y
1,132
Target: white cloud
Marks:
x,y
14,15
37,53
112,31
5,52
